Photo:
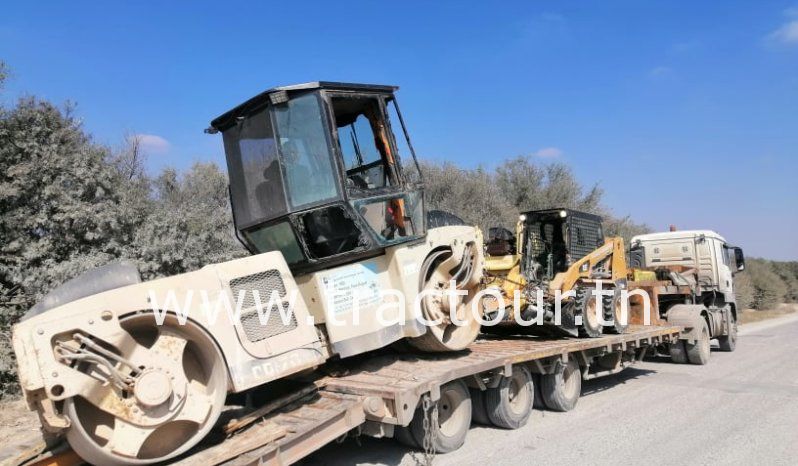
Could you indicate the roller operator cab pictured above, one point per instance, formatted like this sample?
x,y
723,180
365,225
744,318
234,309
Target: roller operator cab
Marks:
x,y
322,172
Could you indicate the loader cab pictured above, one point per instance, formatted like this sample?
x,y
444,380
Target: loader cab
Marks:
x,y
323,172
553,239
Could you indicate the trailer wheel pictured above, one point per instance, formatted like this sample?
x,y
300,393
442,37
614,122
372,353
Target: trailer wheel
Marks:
x,y
510,404
538,403
729,342
561,389
698,352
454,419
403,435
678,352
479,414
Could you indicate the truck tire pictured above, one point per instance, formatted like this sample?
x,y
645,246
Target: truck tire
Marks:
x,y
454,419
698,352
729,342
479,414
678,352
561,389
510,403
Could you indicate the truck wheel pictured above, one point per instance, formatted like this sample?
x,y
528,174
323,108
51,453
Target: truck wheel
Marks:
x,y
510,404
561,389
479,414
698,352
587,308
454,419
678,352
729,342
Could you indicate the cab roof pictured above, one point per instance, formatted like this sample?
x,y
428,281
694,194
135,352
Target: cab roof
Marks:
x,y
225,120
678,234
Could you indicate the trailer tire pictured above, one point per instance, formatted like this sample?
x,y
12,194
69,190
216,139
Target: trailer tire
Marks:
x,y
698,352
403,435
678,352
454,419
729,342
479,414
510,403
538,402
561,389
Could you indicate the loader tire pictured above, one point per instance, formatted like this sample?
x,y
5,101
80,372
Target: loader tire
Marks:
x,y
728,342
678,352
479,414
510,403
698,352
613,307
561,389
588,309
454,419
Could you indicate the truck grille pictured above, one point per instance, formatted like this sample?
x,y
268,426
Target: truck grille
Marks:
x,y
265,283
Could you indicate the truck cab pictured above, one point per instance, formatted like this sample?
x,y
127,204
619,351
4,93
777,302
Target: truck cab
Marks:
x,y
701,254
697,268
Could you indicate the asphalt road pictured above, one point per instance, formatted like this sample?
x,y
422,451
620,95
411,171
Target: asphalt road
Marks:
x,y
742,408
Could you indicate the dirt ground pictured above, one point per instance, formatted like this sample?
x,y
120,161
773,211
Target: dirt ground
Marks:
x,y
751,315
17,423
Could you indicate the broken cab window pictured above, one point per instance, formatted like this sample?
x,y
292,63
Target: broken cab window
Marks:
x,y
363,140
330,231
395,218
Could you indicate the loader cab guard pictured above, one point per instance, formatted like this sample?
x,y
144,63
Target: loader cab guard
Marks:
x,y
318,172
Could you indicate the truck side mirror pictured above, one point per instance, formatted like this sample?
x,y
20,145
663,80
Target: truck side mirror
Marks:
x,y
739,259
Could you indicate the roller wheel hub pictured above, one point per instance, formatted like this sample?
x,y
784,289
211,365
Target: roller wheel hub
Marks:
x,y
153,388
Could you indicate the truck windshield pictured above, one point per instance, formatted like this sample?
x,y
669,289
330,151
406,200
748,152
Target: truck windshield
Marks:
x,y
307,163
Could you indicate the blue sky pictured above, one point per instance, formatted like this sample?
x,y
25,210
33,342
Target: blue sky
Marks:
x,y
685,112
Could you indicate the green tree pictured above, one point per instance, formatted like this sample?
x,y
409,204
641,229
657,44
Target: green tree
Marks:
x,y
188,223
769,288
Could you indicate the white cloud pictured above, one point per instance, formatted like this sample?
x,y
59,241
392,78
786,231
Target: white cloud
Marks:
x,y
548,152
786,34
153,144
660,72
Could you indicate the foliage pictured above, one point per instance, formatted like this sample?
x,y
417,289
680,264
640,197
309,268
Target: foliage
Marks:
x,y
495,198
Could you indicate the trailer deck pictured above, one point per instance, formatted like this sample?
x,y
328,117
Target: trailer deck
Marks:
x,y
377,391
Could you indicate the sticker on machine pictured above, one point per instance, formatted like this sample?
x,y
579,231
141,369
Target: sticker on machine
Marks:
x,y
350,286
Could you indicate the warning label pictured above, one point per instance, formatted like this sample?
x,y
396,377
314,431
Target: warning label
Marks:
x,y
353,286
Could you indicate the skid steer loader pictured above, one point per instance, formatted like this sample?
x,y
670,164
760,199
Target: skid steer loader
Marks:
x,y
323,197
555,253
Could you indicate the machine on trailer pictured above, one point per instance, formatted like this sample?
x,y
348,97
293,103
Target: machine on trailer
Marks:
x,y
554,252
324,198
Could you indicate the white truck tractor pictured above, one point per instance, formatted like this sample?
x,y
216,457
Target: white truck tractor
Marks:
x,y
698,267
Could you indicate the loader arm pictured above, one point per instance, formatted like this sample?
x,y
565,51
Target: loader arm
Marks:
x,y
608,262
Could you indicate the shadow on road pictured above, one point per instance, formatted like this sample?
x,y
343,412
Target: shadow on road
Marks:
x,y
590,387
